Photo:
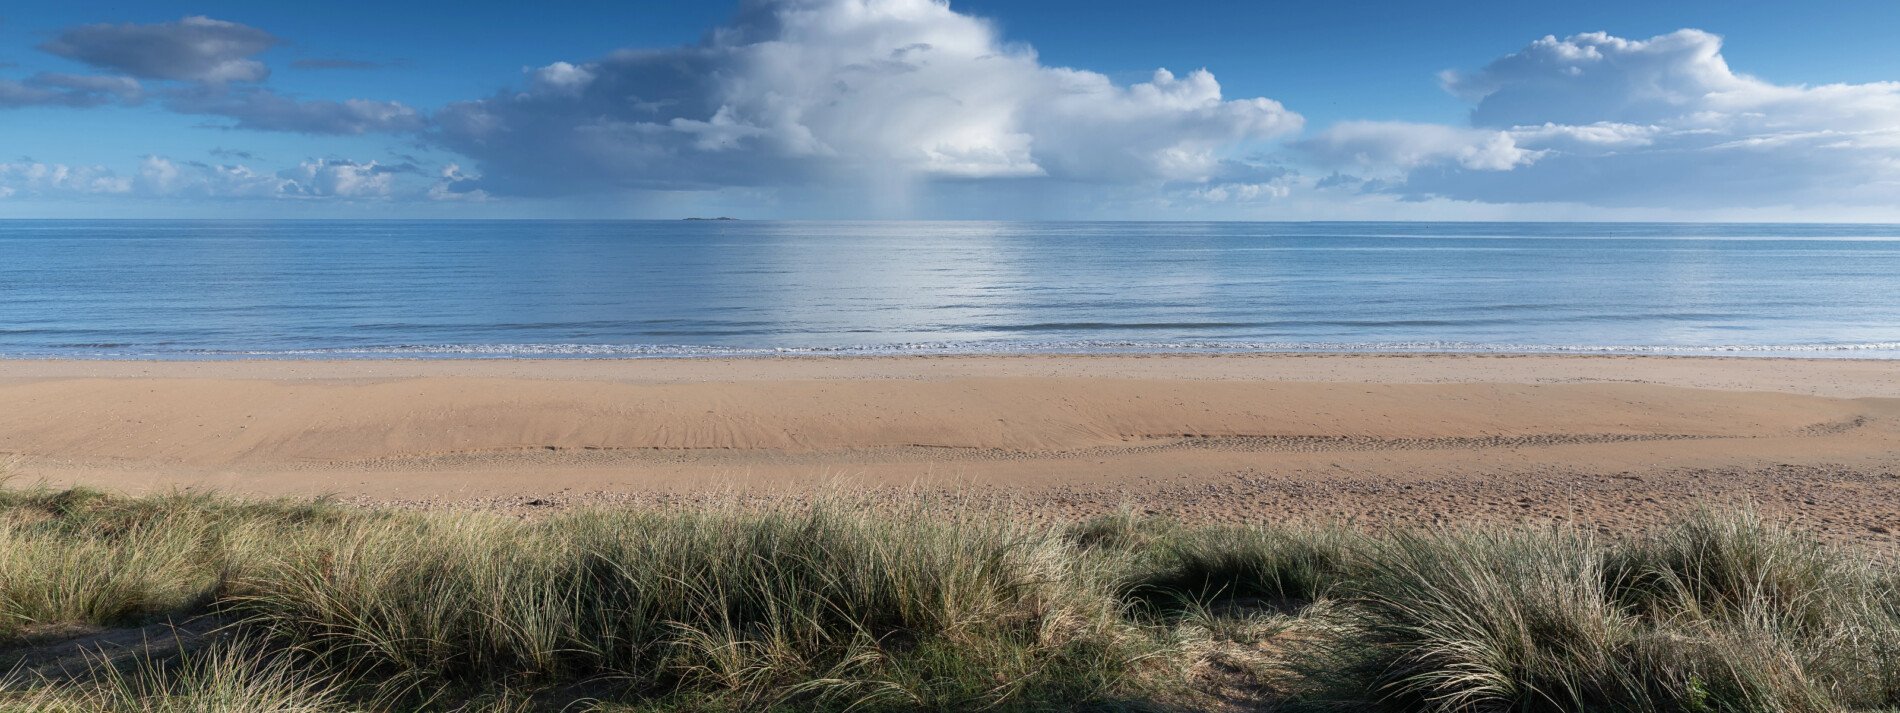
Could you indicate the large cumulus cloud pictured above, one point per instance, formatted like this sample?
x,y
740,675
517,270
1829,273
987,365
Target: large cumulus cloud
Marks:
x,y
797,90
1608,121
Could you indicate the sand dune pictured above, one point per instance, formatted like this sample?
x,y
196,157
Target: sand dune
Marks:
x,y
1606,439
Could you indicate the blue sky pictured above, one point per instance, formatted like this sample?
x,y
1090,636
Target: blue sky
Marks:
x,y
976,109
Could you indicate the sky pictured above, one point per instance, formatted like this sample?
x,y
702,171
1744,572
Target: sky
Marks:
x,y
972,109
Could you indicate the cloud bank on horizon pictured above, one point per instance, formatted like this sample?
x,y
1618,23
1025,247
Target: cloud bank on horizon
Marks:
x,y
1608,121
849,102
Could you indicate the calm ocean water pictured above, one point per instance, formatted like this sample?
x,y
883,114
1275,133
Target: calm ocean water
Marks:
x,y
178,289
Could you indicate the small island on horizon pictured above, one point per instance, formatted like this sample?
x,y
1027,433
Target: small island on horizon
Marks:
x,y
718,218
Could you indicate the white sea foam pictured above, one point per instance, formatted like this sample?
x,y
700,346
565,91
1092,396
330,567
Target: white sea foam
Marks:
x,y
636,351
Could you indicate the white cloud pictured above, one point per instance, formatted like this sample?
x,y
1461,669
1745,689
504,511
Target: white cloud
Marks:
x,y
33,178
1602,134
341,179
1244,192
1663,122
456,184
1383,147
561,77
796,91
165,178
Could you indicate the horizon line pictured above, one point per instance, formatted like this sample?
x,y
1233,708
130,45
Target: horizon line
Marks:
x,y
10,219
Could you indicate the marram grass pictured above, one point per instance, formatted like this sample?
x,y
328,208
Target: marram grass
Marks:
x,y
846,605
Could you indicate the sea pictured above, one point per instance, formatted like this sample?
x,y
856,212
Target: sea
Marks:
x,y
628,289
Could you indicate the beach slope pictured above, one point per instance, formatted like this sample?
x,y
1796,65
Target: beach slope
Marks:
x,y
1615,441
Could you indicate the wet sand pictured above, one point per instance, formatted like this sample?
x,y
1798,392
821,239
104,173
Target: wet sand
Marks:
x,y
1612,441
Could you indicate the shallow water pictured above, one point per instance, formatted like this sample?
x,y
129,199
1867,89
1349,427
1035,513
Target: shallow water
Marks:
x,y
184,289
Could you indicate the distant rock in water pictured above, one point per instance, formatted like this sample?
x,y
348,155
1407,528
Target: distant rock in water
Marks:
x,y
718,218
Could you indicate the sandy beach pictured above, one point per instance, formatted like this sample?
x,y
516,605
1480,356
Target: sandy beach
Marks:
x,y
1401,439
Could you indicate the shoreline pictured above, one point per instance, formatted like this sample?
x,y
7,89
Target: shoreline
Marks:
x,y
1615,441
1799,353
1874,377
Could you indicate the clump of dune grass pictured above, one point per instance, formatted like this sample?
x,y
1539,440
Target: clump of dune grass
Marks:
x,y
1732,567
1748,613
236,676
82,557
1717,613
840,604
822,605
1477,622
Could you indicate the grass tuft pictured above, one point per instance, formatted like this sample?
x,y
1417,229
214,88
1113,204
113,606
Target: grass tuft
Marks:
x,y
235,676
